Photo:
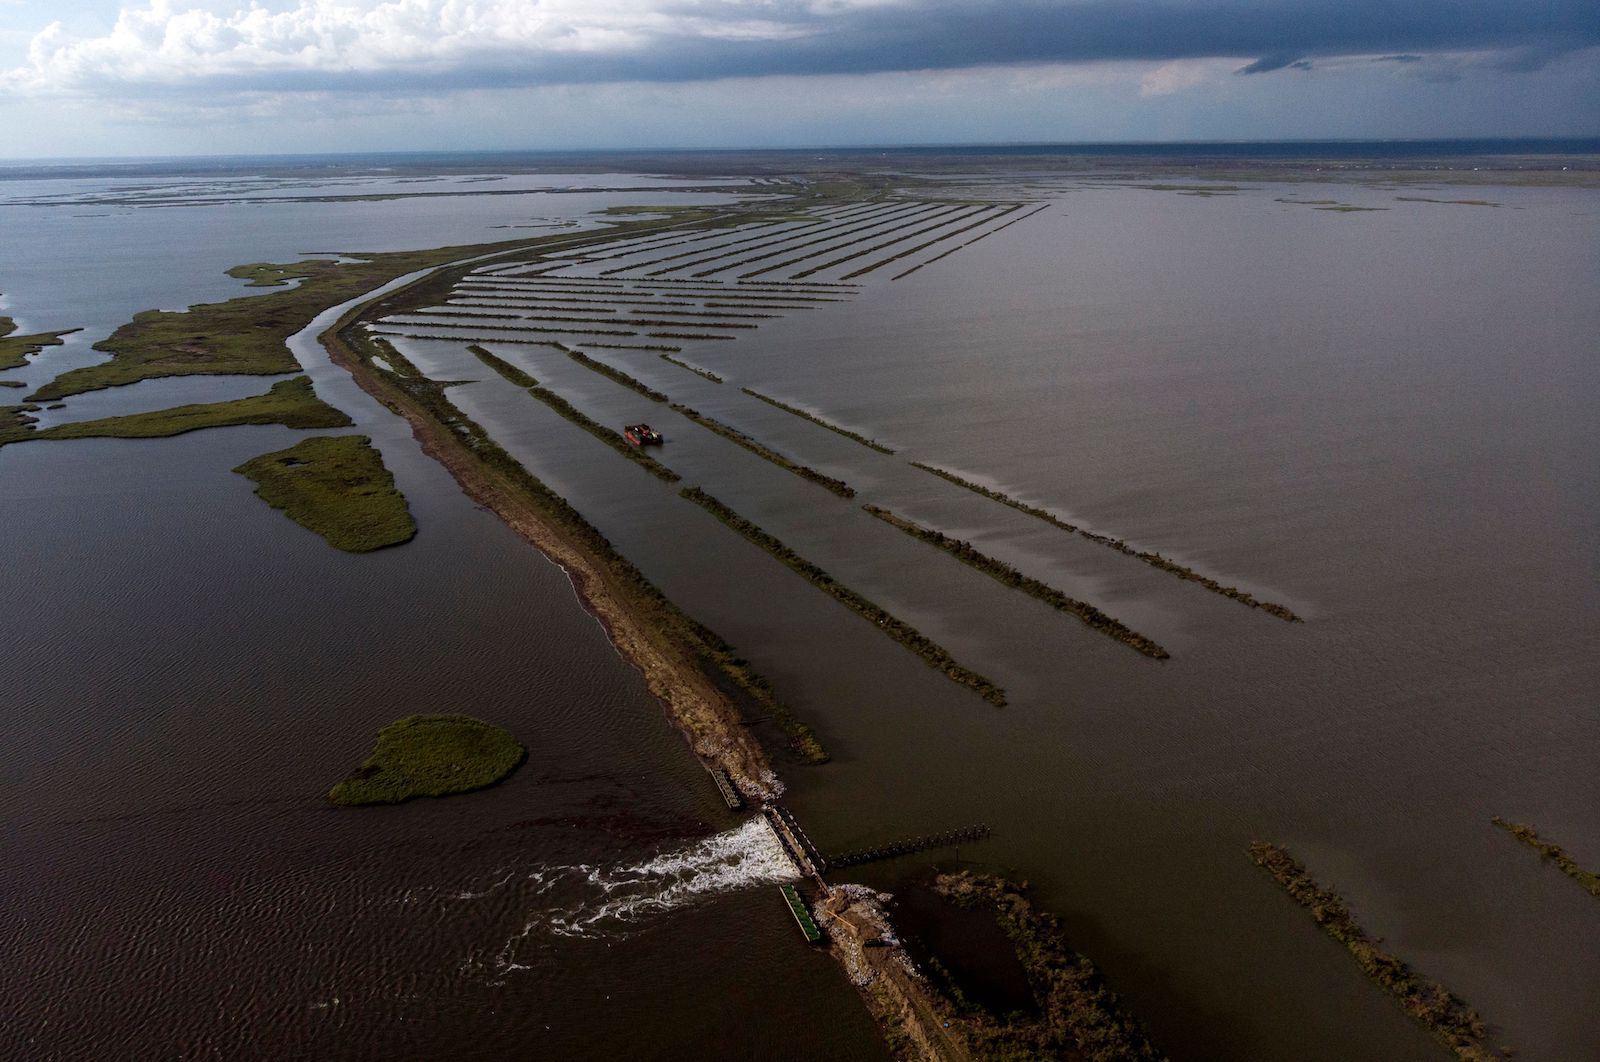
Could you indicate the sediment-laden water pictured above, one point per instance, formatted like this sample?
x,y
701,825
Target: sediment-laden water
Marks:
x,y
1382,420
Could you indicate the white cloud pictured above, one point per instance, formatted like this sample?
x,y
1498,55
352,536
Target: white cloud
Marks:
x,y
217,49
164,44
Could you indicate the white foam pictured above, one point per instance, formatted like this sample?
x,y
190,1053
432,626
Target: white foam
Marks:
x,y
737,859
620,896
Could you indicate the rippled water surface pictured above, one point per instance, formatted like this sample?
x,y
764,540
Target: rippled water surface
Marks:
x,y
1382,419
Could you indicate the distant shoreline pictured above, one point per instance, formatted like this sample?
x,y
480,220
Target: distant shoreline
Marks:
x,y
1575,156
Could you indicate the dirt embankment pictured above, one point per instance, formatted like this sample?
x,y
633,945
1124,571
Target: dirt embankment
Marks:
x,y
707,717
863,941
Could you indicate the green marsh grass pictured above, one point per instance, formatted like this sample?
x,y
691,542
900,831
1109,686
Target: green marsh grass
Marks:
x,y
291,403
248,335
706,373
1079,1015
338,487
1450,1020
431,756
1553,852
614,374
15,350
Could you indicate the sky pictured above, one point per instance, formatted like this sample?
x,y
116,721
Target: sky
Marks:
x,y
94,78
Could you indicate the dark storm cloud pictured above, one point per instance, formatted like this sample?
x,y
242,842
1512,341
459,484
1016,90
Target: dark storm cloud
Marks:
x,y
501,43
944,35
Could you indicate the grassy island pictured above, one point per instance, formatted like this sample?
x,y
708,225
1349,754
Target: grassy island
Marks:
x,y
15,350
1078,1015
273,275
935,655
337,486
1553,852
1446,1016
433,756
291,403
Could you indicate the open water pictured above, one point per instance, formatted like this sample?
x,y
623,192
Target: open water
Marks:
x,y
1383,419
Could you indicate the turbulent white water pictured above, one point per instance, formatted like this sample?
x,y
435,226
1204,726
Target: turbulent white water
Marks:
x,y
739,858
594,901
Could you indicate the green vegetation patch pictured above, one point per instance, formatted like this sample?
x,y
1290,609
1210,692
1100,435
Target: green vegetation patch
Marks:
x,y
1553,852
933,654
1079,1016
511,373
1446,1016
433,756
291,403
1004,573
248,335
271,275
337,486
15,350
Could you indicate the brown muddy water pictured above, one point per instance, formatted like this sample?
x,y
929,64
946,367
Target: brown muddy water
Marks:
x,y
1383,420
